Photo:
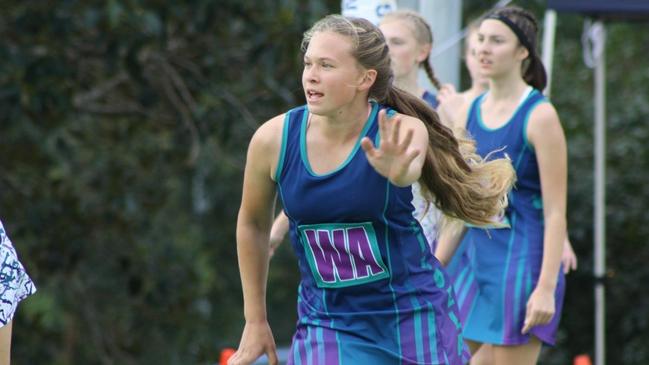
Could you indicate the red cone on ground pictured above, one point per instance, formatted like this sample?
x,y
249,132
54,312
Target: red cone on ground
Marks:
x,y
226,353
582,360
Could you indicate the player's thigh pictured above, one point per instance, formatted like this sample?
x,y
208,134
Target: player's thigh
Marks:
x,y
483,356
5,344
473,346
526,354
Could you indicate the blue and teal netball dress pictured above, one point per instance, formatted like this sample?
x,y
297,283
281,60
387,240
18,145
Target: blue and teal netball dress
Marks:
x,y
370,290
16,284
461,271
507,261
459,268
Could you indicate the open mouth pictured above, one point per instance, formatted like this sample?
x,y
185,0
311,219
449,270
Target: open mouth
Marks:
x,y
485,62
313,95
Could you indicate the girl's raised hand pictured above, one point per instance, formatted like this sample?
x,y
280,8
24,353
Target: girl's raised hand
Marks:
x,y
450,102
392,158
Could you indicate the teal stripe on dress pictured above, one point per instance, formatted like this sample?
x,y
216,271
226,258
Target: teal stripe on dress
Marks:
x,y
454,319
340,351
297,357
466,288
510,243
459,281
519,160
423,245
432,329
282,151
282,156
419,336
389,263
308,346
520,272
321,348
527,119
332,327
510,195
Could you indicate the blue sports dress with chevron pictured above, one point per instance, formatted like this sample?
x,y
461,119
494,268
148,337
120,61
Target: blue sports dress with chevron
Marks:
x,y
370,290
16,284
507,261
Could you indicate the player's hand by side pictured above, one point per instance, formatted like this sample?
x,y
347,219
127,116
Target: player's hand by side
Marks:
x,y
540,309
568,257
256,340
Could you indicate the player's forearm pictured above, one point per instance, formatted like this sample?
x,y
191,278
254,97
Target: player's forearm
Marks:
x,y
553,241
252,251
448,242
280,227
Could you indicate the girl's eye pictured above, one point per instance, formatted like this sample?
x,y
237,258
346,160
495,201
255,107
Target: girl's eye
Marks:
x,y
326,65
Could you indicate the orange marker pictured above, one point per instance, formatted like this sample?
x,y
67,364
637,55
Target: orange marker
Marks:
x,y
226,353
582,360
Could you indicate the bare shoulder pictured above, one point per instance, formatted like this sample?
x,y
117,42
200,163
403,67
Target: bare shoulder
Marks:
x,y
269,133
544,123
266,143
417,126
544,111
411,122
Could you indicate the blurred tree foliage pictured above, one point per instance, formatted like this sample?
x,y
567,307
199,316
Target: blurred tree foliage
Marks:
x,y
123,131
123,138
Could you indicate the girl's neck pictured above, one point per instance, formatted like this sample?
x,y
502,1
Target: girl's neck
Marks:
x,y
345,121
409,83
475,90
506,87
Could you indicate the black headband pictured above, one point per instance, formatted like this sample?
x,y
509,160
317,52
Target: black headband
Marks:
x,y
517,30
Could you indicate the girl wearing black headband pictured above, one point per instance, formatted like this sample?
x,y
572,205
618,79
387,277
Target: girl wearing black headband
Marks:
x,y
517,267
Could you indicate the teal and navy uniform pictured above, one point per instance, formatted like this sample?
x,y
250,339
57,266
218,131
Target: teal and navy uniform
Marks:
x,y
507,261
370,292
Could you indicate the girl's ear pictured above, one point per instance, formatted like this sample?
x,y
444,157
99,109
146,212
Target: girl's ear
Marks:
x,y
424,52
368,80
522,53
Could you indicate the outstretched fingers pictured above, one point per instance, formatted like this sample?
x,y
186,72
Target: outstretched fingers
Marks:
x,y
396,129
368,147
405,144
383,124
272,357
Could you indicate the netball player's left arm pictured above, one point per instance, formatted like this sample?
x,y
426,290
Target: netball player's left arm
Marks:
x,y
402,150
545,134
